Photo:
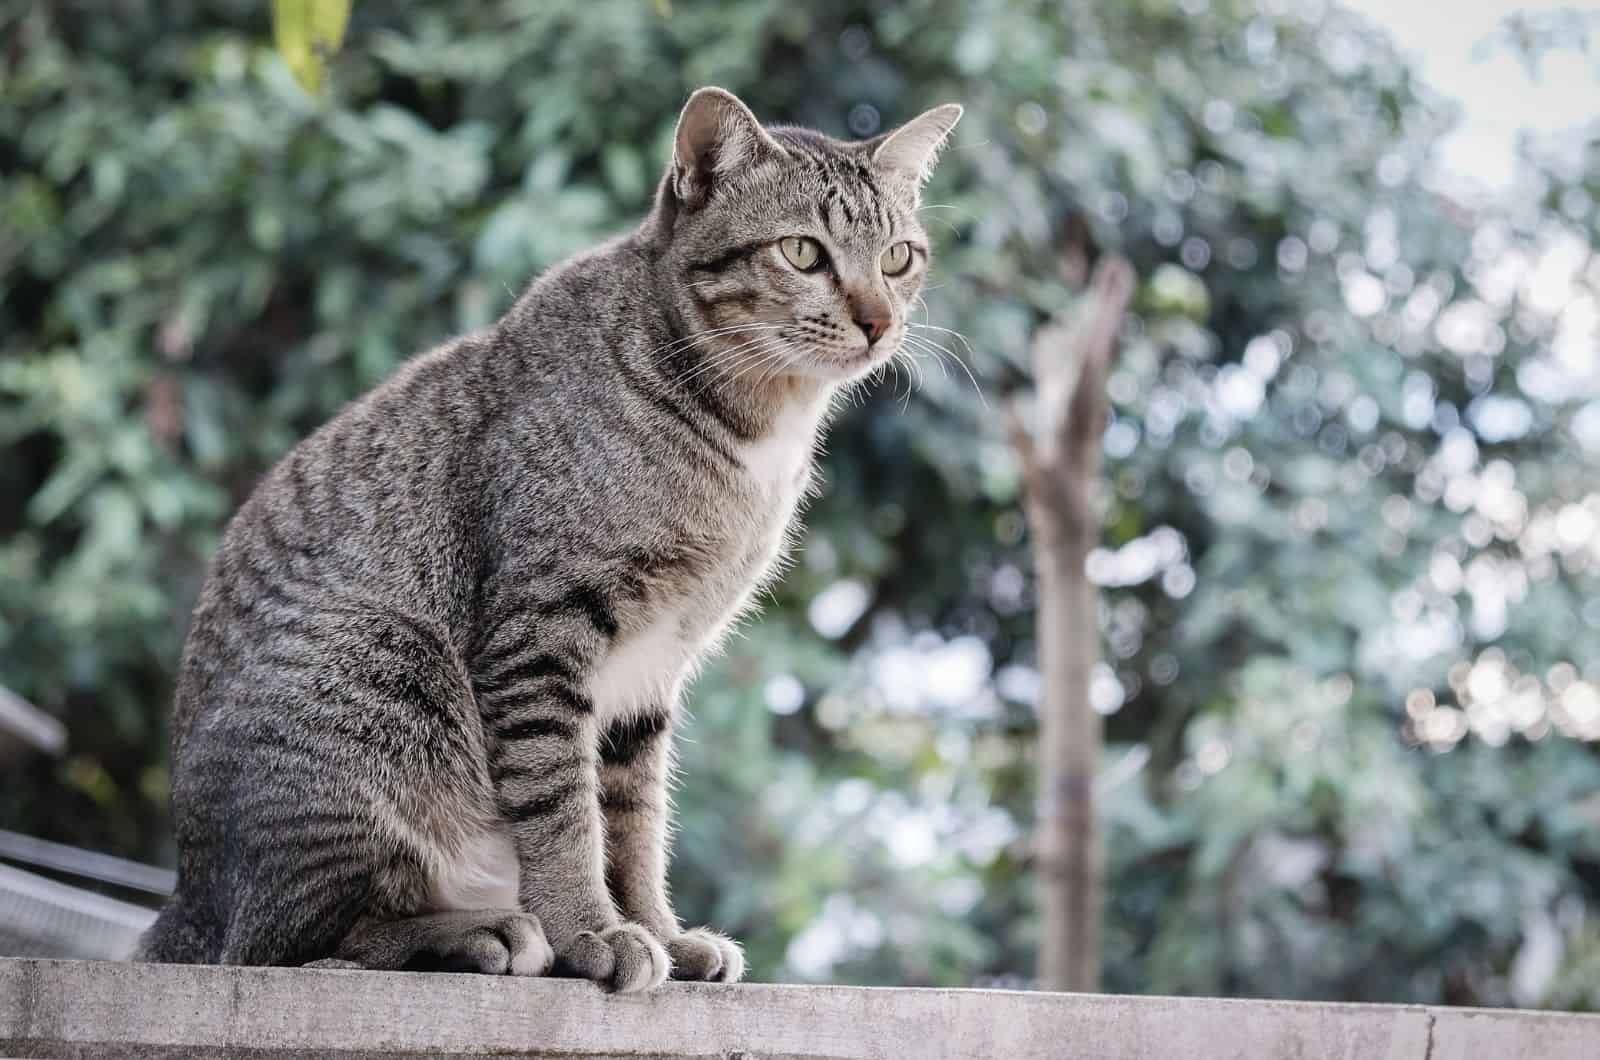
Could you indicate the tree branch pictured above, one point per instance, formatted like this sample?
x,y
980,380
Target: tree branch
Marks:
x,y
1109,294
1061,454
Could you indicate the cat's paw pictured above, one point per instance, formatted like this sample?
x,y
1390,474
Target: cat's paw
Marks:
x,y
706,956
508,944
625,958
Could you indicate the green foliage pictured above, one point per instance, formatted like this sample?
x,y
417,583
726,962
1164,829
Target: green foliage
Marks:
x,y
307,32
1349,463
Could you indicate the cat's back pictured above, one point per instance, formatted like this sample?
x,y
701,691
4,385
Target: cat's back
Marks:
x,y
386,476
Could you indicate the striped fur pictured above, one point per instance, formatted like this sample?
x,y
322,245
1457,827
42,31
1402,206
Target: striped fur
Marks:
x,y
424,715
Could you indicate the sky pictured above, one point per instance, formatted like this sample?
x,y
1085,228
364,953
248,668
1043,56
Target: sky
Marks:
x,y
1497,96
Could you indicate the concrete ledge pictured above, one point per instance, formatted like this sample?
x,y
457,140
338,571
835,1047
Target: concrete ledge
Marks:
x,y
81,1009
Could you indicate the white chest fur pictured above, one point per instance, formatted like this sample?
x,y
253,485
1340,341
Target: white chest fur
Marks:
x,y
777,460
482,874
639,671
642,669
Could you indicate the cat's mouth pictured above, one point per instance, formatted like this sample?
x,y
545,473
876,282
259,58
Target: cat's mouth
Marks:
x,y
844,365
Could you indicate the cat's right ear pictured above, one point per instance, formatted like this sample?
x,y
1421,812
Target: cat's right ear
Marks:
x,y
717,135
912,149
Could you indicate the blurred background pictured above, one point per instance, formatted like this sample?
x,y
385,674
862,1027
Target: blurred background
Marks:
x,y
1348,584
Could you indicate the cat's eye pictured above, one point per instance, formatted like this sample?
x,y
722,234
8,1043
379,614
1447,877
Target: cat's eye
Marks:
x,y
896,259
804,254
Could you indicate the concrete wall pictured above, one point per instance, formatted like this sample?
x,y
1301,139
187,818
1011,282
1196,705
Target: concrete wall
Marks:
x,y
81,1009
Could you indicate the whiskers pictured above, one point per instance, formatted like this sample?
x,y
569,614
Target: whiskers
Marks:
x,y
855,391
754,353
766,353
960,215
924,341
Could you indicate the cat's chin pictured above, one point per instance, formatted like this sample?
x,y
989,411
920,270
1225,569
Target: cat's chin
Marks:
x,y
839,370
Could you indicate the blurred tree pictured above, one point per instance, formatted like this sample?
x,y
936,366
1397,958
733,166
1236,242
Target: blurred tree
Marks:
x,y
1350,678
1061,460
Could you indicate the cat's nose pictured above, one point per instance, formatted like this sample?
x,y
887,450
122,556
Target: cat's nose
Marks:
x,y
872,325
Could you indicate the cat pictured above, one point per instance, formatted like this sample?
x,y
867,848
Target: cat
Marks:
x,y
424,714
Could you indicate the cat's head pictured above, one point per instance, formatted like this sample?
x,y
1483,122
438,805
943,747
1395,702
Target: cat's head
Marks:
x,y
789,252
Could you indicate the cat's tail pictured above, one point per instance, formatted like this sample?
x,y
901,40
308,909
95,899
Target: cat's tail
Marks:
x,y
173,938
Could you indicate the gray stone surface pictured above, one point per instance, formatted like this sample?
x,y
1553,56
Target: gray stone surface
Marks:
x,y
73,1009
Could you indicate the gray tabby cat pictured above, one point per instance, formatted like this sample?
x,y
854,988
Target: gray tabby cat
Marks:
x,y
425,711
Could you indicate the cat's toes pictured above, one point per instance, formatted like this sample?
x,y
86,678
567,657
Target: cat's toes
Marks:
x,y
624,958
641,962
586,956
530,951
512,944
706,956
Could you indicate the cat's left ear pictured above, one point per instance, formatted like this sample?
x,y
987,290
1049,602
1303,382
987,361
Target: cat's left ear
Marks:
x,y
717,135
911,150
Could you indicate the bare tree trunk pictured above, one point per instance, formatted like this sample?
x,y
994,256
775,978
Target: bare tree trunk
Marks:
x,y
1061,458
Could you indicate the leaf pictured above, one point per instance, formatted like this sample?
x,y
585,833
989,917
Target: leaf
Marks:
x,y
69,481
308,33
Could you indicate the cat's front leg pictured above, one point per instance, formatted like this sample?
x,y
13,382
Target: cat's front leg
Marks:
x,y
635,763
543,763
